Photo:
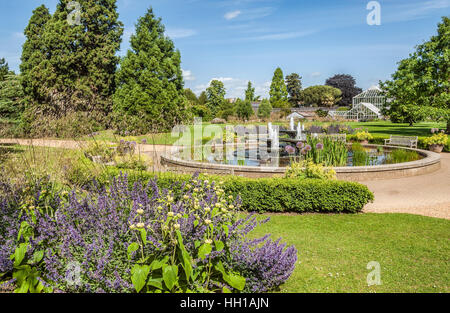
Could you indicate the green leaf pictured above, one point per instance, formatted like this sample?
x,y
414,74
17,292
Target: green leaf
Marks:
x,y
204,250
226,290
132,248
37,257
225,229
170,276
139,274
155,282
157,264
235,281
144,236
19,254
219,245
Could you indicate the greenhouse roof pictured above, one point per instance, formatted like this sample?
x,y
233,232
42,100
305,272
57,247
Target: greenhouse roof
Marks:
x,y
372,92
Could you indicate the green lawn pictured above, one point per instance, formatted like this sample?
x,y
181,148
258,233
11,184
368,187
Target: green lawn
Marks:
x,y
334,250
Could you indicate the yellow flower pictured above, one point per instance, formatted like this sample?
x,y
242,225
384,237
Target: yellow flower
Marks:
x,y
140,225
140,211
207,210
208,241
231,207
171,214
207,222
132,226
176,226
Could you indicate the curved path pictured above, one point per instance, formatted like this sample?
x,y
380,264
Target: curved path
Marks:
x,y
427,194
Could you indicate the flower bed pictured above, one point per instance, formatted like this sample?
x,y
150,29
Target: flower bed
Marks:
x,y
186,238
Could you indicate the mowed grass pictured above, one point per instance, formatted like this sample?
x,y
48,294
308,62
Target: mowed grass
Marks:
x,y
334,251
377,128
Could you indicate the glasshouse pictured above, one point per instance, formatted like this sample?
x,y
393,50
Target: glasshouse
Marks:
x,y
366,106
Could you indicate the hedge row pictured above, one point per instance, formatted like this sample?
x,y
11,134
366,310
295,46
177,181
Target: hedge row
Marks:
x,y
278,194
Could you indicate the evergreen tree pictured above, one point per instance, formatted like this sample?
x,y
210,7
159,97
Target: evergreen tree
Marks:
x,y
244,109
347,85
33,52
4,69
278,91
294,88
265,109
150,81
11,95
77,70
250,92
215,94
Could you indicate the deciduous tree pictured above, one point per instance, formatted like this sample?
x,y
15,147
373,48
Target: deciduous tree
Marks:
x,y
420,88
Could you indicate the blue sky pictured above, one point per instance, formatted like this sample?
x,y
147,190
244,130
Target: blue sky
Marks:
x,y
241,40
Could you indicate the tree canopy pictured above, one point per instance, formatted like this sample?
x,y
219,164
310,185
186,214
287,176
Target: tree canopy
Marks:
x,y
215,95
318,96
294,88
347,85
420,88
278,90
244,109
11,95
77,61
265,109
150,87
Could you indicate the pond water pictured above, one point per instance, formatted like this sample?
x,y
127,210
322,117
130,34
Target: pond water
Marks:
x,y
256,158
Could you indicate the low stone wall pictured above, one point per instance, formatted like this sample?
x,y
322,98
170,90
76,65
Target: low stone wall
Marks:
x,y
430,163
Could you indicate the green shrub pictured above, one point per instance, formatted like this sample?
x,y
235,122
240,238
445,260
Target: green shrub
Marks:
x,y
275,194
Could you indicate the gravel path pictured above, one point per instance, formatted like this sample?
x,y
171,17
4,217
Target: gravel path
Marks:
x,y
427,195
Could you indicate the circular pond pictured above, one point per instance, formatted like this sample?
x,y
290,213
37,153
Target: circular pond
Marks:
x,y
369,163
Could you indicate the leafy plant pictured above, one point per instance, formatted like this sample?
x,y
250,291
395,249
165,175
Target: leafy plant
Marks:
x,y
437,139
363,135
308,169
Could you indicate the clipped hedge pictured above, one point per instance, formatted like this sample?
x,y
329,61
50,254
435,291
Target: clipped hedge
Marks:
x,y
278,194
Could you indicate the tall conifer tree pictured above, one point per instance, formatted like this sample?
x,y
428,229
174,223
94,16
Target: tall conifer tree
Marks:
x,y
150,81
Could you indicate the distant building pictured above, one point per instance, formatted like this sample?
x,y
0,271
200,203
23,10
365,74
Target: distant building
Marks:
x,y
366,106
296,116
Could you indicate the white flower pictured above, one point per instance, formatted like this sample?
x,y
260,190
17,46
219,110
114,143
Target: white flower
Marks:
x,y
140,225
176,226
132,226
231,207
208,241
207,222
207,210
171,214
140,211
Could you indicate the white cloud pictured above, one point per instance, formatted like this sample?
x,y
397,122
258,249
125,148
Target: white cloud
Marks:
x,y
283,36
180,33
187,75
233,14
413,11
